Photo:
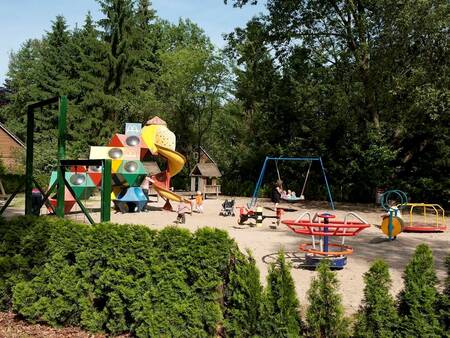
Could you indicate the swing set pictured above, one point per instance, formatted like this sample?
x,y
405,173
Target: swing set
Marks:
x,y
302,196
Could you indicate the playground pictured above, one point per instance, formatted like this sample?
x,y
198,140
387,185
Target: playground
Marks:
x,y
265,242
110,186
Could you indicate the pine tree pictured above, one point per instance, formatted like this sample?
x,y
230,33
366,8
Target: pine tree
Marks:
x,y
118,30
325,314
377,315
418,300
281,317
243,297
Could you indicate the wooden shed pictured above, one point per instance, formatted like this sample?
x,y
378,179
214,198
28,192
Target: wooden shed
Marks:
x,y
11,150
205,175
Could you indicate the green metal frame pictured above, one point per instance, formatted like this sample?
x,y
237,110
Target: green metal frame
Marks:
x,y
61,182
105,199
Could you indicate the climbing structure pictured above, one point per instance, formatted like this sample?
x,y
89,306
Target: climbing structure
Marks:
x,y
127,153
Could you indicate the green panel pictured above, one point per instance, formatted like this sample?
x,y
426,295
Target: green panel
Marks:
x,y
134,180
140,168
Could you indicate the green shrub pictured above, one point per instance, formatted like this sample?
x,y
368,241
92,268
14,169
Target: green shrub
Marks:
x,y
243,298
325,314
116,278
444,306
377,316
418,300
280,317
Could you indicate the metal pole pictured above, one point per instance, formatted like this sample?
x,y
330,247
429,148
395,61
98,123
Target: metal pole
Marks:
x,y
326,184
105,211
62,122
258,184
29,162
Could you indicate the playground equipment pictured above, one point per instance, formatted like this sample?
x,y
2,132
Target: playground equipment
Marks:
x,y
127,151
430,223
67,188
322,228
246,213
392,224
276,159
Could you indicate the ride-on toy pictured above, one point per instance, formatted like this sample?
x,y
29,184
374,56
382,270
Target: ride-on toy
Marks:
x,y
392,223
322,227
246,213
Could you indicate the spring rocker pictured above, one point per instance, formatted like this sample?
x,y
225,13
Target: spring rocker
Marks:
x,y
246,213
392,224
323,227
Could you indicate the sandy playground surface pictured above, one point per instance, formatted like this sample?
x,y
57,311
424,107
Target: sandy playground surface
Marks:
x,y
265,242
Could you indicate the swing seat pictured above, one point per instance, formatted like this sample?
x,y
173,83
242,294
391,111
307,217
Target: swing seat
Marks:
x,y
292,199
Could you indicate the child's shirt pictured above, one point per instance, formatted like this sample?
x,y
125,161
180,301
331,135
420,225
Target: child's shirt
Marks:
x,y
198,200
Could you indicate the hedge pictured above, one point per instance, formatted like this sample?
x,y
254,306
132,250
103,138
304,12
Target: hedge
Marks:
x,y
115,278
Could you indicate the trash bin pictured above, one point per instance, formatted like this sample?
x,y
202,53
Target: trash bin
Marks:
x,y
36,202
378,194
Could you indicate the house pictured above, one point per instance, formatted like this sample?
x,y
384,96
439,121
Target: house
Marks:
x,y
205,174
11,150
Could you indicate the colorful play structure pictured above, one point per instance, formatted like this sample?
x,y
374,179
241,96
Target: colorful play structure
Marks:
x,y
127,153
394,201
115,170
295,199
323,228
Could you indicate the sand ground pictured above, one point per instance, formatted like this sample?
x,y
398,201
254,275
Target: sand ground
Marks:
x,y
265,242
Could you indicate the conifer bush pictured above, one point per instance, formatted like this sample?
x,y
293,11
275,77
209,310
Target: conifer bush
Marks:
x,y
243,298
445,301
116,278
281,313
419,299
377,316
325,314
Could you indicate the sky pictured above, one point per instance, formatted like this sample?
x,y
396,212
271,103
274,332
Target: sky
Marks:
x,y
24,19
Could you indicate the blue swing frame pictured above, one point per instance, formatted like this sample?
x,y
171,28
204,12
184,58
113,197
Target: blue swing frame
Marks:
x,y
264,167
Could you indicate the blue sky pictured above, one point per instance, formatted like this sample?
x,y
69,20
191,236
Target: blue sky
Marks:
x,y
24,19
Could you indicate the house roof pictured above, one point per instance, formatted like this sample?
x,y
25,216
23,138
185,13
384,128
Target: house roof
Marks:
x,y
152,167
14,137
206,170
207,155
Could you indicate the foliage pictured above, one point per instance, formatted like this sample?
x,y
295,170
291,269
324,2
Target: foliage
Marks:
x,y
325,314
444,304
353,82
280,313
377,316
243,298
418,300
116,278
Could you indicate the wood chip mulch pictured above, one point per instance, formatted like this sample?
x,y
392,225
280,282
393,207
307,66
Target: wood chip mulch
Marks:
x,y
12,327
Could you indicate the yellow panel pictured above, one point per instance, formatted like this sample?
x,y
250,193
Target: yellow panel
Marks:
x,y
397,225
115,164
148,135
114,192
